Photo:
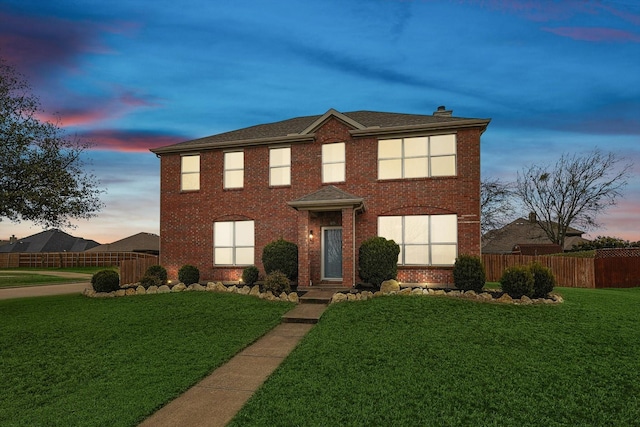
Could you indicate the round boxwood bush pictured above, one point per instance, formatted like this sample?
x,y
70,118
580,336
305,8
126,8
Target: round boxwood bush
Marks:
x,y
378,260
189,274
250,275
150,280
517,281
158,271
469,273
543,280
281,255
277,282
105,281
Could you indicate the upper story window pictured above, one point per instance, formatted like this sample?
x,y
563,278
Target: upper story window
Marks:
x,y
423,239
333,162
234,169
233,242
417,157
190,172
280,166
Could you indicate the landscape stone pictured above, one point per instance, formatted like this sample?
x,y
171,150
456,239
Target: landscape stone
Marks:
x,y
416,291
470,293
255,291
130,291
164,289
244,290
140,290
233,289
486,296
120,293
338,297
179,287
439,292
153,289
293,297
351,297
389,286
284,297
404,291
505,298
525,300
197,287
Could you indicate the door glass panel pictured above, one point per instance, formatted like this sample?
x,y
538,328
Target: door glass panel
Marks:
x,y
332,253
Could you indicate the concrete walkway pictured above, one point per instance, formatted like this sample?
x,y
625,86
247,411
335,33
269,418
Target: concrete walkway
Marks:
x,y
47,290
215,400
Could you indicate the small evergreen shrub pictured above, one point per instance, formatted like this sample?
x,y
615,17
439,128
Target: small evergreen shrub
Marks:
x,y
543,280
158,271
469,273
250,275
517,281
277,282
281,255
378,260
105,281
150,280
189,274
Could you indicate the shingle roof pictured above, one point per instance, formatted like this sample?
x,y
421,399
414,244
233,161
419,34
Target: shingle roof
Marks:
x,y
141,242
49,241
329,197
523,231
299,128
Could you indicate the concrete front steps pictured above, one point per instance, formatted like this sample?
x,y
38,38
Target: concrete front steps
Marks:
x,y
312,304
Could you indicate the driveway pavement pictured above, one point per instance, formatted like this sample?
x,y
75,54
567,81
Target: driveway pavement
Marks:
x,y
46,290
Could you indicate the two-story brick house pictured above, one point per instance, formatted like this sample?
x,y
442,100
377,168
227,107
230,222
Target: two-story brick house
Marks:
x,y
327,183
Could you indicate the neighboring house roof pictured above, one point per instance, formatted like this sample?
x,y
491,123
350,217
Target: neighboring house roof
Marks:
x,y
52,240
523,232
141,242
300,129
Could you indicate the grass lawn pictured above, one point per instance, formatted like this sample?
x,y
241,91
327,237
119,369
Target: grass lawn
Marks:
x,y
15,277
437,361
76,361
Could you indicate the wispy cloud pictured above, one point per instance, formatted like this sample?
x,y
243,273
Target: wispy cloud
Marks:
x,y
595,34
130,140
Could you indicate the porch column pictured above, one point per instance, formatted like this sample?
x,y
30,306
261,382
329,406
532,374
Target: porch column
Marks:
x,y
304,273
348,247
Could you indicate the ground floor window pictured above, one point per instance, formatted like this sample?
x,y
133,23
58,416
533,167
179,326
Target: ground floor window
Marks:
x,y
233,242
423,239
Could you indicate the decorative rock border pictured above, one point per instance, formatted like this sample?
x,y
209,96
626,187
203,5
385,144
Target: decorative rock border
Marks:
x,y
482,297
136,289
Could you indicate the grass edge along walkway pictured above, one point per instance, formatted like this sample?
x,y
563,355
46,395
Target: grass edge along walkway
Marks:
x,y
440,361
71,360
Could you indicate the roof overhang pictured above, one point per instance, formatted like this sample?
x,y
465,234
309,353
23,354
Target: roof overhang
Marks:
x,y
410,129
327,205
191,148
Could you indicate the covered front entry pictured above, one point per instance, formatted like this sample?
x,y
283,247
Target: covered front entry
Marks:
x,y
331,263
326,237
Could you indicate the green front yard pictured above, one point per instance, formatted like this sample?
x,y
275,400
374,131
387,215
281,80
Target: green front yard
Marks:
x,y
434,361
76,361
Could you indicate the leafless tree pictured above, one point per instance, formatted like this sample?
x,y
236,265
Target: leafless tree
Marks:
x,y
496,204
573,192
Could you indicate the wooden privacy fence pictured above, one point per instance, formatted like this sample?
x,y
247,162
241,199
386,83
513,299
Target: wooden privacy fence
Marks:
x,y
610,268
568,271
131,271
70,259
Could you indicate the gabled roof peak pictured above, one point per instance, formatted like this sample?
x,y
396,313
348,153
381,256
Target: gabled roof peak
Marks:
x,y
332,112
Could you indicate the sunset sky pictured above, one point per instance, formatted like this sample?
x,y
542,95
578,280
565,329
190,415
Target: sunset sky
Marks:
x,y
129,75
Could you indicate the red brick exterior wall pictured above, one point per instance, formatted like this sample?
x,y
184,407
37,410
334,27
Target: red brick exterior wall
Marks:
x,y
186,219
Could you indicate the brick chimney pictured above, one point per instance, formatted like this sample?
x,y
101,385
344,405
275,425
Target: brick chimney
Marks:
x,y
12,239
443,112
533,218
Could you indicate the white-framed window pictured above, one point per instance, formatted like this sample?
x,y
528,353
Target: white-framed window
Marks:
x,y
417,157
233,242
234,169
280,166
423,239
190,172
333,162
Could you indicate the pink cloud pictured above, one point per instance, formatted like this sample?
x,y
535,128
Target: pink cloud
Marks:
x,y
595,34
129,141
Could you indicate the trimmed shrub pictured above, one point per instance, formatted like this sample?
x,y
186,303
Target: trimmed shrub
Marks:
x,y
250,275
281,255
158,271
189,274
277,282
469,273
517,281
378,260
150,280
105,281
543,280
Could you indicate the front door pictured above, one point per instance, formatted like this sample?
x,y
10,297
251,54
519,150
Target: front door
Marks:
x,y
331,253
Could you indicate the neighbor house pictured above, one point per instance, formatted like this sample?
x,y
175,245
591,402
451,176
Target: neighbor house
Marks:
x,y
327,183
53,240
147,243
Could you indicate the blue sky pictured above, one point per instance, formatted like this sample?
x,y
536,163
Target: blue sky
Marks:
x,y
554,76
